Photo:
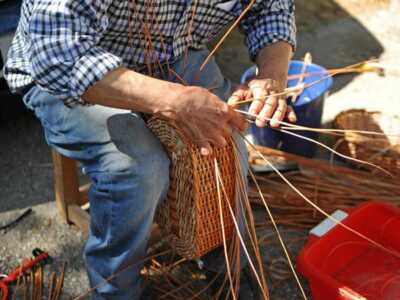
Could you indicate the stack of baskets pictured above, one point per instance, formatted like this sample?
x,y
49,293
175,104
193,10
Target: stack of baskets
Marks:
x,y
382,150
190,216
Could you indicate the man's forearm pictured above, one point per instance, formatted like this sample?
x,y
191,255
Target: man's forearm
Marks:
x,y
126,89
203,117
273,62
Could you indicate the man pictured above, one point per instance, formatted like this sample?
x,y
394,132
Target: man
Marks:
x,y
84,65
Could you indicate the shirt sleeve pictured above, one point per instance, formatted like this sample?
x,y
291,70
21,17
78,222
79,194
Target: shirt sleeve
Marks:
x,y
268,22
65,57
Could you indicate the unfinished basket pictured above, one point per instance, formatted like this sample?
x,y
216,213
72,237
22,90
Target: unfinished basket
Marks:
x,y
190,216
383,151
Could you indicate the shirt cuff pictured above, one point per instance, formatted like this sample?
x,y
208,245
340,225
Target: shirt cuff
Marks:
x,y
269,30
89,69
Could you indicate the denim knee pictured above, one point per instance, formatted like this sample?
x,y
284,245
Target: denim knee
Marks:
x,y
143,181
154,175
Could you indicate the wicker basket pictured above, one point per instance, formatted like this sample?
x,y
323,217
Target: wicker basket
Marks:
x,y
190,214
383,151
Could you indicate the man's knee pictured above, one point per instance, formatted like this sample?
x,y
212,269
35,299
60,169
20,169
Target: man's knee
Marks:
x,y
136,164
126,176
155,173
147,159
125,195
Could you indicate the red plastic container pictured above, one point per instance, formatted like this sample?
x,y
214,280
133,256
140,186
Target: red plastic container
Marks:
x,y
341,265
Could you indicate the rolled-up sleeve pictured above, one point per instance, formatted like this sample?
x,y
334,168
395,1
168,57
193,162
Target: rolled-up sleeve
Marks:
x,y
65,57
268,22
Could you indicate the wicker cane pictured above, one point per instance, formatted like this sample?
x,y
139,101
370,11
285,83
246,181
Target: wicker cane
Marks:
x,y
383,151
190,216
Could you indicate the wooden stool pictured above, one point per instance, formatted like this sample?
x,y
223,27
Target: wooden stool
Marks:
x,y
72,199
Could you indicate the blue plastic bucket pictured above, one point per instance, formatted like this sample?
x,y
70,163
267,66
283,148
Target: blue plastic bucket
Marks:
x,y
308,108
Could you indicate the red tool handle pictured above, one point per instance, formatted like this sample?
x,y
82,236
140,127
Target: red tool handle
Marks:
x,y
26,265
39,256
4,291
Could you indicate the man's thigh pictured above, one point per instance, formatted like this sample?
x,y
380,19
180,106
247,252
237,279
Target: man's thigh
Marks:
x,y
88,132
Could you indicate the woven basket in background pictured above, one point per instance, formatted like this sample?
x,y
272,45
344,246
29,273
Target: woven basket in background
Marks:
x,y
190,215
383,151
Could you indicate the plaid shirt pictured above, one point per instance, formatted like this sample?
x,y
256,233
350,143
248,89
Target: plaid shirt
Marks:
x,y
65,46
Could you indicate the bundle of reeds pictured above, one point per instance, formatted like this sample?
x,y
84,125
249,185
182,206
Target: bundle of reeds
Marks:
x,y
33,285
330,187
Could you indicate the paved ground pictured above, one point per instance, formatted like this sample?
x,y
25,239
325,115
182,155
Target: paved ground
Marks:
x,y
25,161
368,90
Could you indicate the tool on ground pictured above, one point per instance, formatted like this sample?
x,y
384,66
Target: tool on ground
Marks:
x,y
39,258
17,220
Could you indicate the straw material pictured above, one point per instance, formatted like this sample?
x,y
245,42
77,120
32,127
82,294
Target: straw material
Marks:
x,y
328,186
190,214
383,151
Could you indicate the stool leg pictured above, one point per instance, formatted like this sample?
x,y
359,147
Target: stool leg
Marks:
x,y
66,183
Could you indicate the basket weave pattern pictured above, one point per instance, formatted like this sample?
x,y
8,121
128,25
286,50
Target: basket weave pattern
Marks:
x,y
383,151
190,216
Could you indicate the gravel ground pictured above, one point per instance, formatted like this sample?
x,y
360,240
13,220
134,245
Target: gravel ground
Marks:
x,y
25,160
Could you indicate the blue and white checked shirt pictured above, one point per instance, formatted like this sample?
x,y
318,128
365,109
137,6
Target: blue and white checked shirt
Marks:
x,y
65,46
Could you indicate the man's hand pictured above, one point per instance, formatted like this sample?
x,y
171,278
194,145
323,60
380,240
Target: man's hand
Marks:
x,y
273,64
204,118
266,108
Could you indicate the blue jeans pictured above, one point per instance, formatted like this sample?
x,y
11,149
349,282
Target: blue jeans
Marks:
x,y
129,170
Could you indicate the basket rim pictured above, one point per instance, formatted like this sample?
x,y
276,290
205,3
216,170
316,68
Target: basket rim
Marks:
x,y
346,113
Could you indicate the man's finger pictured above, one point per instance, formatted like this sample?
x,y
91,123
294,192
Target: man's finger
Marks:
x,y
256,107
206,136
203,144
267,111
259,93
193,134
214,136
279,113
238,95
237,121
291,115
218,141
205,149
226,130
